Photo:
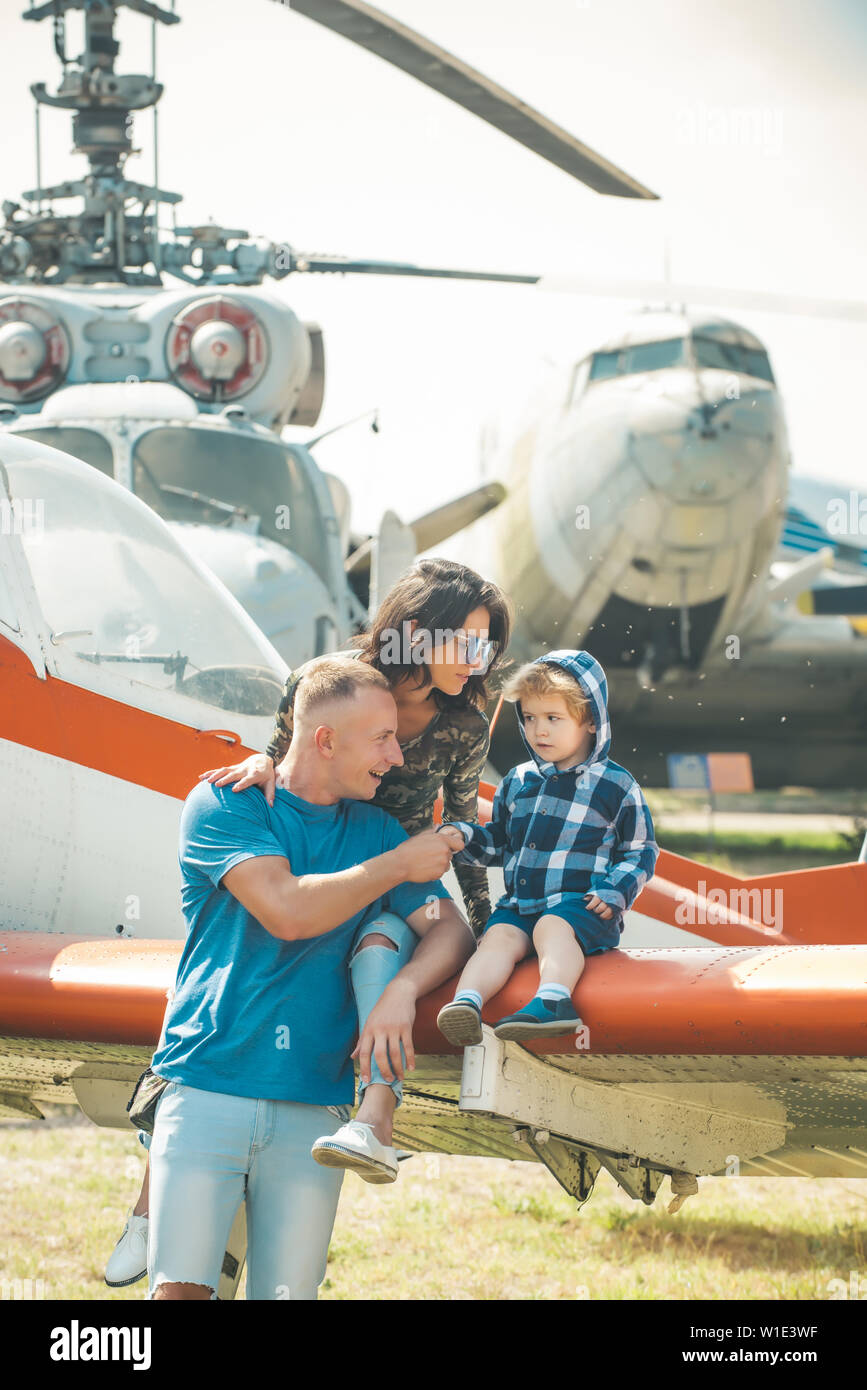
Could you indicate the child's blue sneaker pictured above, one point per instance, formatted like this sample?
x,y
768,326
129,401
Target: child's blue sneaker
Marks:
x,y
461,1023
541,1018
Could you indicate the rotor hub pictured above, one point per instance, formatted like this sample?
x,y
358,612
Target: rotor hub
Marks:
x,y
217,350
34,350
22,351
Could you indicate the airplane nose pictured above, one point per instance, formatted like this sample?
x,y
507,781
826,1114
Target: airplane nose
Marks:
x,y
707,411
708,443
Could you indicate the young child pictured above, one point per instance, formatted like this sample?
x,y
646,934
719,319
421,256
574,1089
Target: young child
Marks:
x,y
574,835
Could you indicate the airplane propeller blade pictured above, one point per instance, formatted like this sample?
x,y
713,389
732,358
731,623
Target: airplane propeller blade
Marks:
x,y
435,526
424,60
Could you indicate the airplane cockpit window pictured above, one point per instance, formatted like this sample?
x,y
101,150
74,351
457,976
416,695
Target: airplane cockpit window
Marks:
x,y
731,357
86,445
604,364
638,357
118,591
653,357
579,381
233,476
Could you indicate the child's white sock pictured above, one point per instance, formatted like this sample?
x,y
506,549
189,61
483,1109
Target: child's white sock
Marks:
x,y
469,996
553,992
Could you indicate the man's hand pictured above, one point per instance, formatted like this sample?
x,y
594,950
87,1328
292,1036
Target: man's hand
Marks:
x,y
456,838
600,908
388,1025
426,856
255,771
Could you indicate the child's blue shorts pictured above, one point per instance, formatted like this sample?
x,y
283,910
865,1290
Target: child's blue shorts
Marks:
x,y
593,933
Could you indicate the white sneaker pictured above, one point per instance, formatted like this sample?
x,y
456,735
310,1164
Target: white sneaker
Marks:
x,y
129,1259
355,1146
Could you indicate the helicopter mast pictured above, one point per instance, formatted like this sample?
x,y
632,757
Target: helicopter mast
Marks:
x,y
112,236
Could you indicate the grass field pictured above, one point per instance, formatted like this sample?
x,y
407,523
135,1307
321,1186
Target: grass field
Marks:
x,y
806,842
457,1228
749,855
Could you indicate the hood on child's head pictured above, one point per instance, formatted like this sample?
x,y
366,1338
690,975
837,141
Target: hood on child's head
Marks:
x,y
584,669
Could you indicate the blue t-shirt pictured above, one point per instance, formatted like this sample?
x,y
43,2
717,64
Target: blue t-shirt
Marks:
x,y
253,1015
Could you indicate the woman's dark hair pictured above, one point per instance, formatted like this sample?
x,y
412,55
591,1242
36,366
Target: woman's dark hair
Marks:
x,y
438,594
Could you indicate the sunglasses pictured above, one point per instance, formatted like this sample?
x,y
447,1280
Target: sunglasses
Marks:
x,y
475,651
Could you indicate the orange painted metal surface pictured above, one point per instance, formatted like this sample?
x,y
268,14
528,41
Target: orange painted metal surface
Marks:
x,y
768,1000
94,990
745,1000
825,906
61,719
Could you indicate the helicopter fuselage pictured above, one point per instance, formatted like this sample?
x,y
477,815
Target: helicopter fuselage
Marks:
x,y
180,397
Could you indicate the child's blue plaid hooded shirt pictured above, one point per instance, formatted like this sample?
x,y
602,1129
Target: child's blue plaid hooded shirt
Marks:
x,y
587,829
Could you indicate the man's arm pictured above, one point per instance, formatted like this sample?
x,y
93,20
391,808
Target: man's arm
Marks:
x,y
296,908
446,945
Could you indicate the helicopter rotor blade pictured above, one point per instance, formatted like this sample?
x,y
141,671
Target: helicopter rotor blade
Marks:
x,y
342,265
424,60
604,287
672,293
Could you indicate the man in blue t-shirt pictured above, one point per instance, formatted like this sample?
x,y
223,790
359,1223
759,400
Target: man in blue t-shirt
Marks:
x,y
257,1037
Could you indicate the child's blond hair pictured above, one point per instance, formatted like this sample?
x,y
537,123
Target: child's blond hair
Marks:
x,y
541,678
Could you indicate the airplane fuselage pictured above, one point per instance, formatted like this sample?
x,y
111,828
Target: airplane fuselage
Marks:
x,y
644,509
644,512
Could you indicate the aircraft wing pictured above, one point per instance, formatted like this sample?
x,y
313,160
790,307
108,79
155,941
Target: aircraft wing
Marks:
x,y
687,1058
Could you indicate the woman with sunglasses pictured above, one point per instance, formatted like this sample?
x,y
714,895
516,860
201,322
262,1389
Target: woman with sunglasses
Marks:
x,y
438,634
436,637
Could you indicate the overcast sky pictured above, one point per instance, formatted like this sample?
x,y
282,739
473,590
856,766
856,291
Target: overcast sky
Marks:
x,y
747,116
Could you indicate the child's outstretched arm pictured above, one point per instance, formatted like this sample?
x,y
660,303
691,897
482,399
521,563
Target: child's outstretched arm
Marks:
x,y
485,844
634,855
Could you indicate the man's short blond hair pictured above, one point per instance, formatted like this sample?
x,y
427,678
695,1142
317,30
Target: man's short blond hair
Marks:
x,y
330,679
540,678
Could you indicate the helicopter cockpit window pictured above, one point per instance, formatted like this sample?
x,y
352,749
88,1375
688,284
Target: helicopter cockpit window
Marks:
x,y
638,357
119,592
731,357
86,445
237,478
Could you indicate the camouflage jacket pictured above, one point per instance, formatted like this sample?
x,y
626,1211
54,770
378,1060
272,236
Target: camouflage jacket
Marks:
x,y
450,753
